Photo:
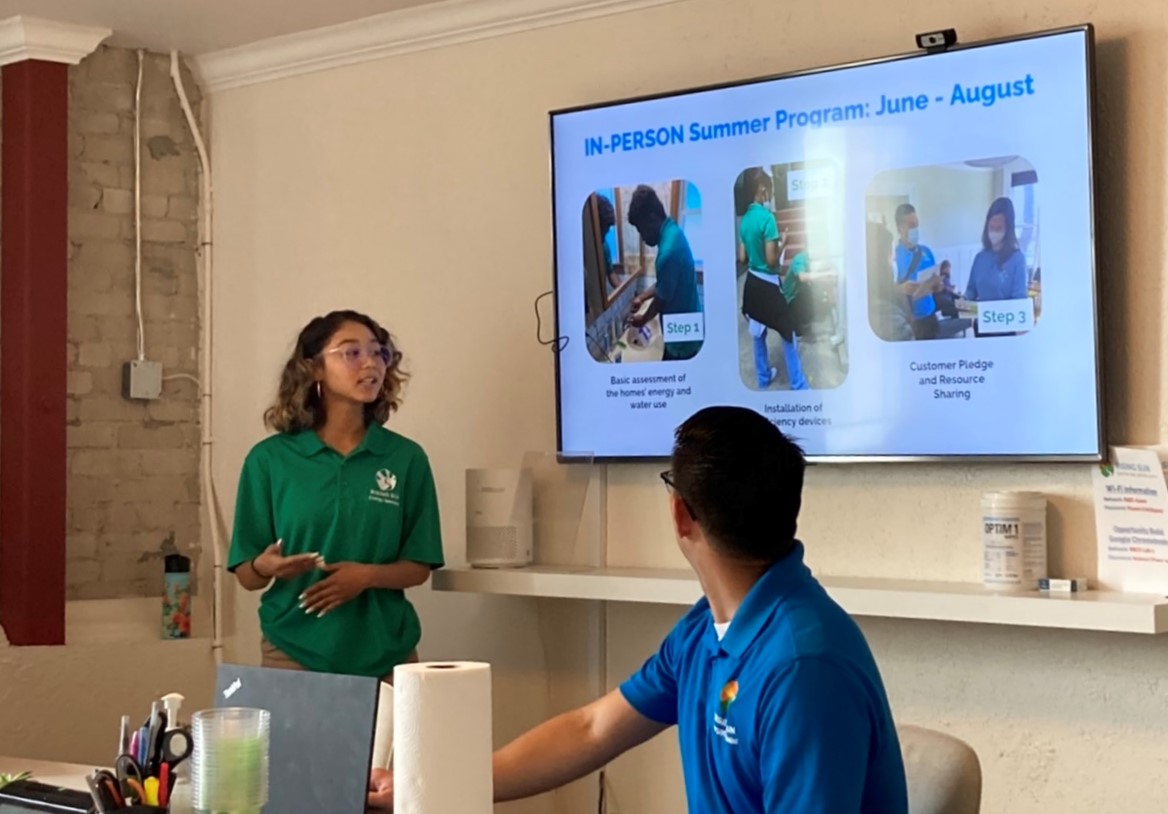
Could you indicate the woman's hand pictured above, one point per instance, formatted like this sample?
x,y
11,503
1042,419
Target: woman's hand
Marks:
x,y
381,790
347,581
274,565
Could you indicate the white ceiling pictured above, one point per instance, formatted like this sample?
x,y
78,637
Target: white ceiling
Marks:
x,y
201,26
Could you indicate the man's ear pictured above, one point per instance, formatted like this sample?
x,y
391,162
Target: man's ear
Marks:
x,y
683,522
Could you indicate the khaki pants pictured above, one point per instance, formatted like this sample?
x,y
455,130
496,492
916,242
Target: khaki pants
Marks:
x,y
271,656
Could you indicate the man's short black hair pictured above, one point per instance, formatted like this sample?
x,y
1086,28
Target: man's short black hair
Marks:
x,y
742,480
645,207
903,211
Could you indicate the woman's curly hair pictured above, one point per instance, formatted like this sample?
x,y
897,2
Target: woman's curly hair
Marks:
x,y
298,403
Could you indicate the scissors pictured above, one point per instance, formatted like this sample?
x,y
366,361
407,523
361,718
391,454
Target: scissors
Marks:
x,y
106,792
130,778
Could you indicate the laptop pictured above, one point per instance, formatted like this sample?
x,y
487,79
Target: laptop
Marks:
x,y
321,734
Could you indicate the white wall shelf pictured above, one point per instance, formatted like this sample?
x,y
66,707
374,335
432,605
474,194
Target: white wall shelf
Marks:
x,y
893,599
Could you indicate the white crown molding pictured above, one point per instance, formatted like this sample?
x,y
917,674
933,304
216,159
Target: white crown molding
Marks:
x,y
24,38
397,32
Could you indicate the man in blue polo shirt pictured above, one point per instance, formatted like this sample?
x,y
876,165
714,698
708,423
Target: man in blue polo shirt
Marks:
x,y
777,699
675,291
916,273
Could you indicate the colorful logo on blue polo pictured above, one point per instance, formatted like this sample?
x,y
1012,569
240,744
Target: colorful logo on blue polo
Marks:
x,y
729,693
722,726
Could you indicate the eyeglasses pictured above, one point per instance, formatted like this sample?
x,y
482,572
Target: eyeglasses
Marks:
x,y
354,355
667,479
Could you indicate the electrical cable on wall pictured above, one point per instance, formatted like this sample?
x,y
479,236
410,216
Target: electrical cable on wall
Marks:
x,y
557,343
139,316
138,211
183,377
207,496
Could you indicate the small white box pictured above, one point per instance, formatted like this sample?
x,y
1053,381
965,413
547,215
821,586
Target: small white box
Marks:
x,y
1055,586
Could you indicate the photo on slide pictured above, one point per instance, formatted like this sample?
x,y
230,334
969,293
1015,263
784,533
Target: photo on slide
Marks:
x,y
953,251
789,237
643,287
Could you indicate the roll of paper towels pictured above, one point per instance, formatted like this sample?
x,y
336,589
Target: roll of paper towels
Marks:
x,y
383,732
442,741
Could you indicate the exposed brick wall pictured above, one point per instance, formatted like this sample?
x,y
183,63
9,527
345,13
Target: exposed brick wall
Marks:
x,y
133,467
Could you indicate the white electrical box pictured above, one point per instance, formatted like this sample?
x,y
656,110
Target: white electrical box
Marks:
x,y
142,380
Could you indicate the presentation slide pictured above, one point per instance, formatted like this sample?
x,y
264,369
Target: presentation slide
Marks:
x,y
892,260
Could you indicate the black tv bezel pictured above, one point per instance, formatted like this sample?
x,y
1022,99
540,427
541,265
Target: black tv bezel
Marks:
x,y
1088,32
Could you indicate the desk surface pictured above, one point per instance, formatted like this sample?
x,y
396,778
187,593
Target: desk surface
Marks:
x,y
66,775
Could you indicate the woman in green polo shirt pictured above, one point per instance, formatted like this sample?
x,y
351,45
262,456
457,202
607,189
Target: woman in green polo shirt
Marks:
x,y
337,516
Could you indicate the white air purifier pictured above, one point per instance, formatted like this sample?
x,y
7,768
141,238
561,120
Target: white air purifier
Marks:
x,y
498,518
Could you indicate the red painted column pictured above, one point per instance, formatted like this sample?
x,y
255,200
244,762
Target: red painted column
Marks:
x,y
33,350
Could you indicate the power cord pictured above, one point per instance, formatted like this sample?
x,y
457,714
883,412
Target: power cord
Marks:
x,y
556,343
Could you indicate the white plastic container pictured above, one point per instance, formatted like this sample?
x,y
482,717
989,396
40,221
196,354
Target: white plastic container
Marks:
x,y
232,749
1013,539
181,800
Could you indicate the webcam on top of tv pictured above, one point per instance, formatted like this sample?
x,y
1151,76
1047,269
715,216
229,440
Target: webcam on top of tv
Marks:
x,y
935,42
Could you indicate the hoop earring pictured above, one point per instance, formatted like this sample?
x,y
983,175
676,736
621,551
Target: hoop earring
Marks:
x,y
319,392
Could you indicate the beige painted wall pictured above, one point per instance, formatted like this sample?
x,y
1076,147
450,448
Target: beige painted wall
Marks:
x,y
335,189
66,703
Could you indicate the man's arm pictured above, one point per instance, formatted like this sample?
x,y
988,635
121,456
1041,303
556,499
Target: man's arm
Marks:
x,y
648,294
637,320
576,743
926,288
556,752
569,747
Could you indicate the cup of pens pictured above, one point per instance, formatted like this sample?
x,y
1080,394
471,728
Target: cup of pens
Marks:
x,y
229,772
